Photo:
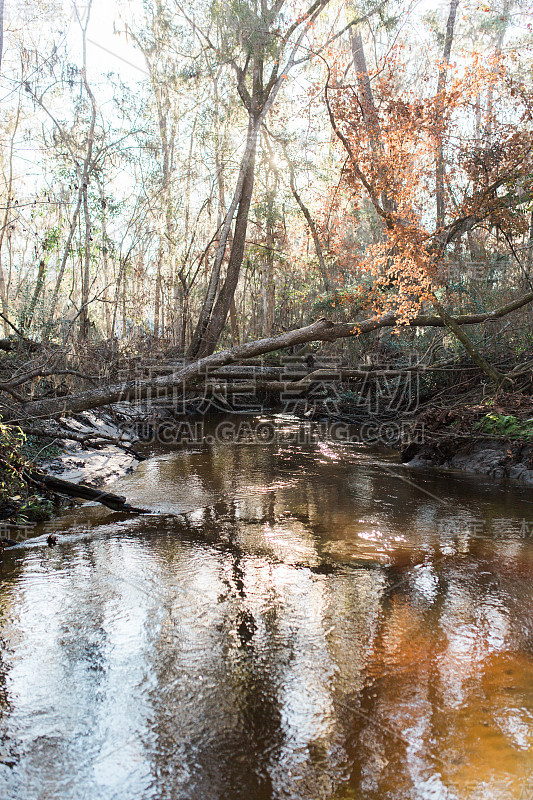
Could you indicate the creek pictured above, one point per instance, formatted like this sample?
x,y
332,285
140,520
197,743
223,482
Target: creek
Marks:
x,y
301,618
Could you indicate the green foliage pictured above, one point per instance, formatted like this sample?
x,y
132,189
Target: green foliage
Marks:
x,y
35,509
18,501
11,482
33,448
349,300
506,425
51,239
245,28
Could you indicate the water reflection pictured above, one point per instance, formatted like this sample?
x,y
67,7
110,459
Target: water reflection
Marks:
x,y
309,628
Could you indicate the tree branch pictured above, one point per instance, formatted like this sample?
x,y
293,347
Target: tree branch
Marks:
x,y
322,331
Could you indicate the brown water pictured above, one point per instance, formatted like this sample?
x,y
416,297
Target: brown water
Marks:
x,y
322,624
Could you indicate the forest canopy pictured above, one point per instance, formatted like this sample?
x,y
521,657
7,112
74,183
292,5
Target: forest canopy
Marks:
x,y
206,174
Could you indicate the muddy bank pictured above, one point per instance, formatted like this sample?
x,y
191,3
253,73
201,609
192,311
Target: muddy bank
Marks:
x,y
494,440
43,470
495,458
83,463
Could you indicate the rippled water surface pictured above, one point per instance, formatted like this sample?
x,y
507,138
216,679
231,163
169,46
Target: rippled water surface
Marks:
x,y
320,623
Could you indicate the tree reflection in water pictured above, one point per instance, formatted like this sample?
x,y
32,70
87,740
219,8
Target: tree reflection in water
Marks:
x,y
317,629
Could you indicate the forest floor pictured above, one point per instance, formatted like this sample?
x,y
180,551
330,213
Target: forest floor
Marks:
x,y
490,436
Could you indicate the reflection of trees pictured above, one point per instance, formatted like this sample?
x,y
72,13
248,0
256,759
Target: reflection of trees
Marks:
x,y
278,676
268,725
211,729
9,574
256,654
430,712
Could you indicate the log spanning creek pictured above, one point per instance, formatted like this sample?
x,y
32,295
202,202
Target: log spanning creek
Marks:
x,y
300,618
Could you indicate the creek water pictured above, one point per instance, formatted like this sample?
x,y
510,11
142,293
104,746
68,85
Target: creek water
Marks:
x,y
300,618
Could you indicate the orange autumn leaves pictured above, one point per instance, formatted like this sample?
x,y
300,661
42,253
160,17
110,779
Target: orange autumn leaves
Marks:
x,y
481,123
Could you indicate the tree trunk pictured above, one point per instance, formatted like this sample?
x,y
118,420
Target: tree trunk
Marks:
x,y
221,308
365,90
208,324
86,269
505,18
3,288
529,254
441,85
1,31
268,286
314,233
105,261
157,294
87,169
28,317
234,325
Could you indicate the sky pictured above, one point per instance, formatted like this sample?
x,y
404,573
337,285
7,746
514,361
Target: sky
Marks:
x,y
108,50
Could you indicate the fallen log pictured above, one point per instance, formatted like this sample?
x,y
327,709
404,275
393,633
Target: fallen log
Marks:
x,y
5,542
323,330
82,491
93,440
8,345
228,372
